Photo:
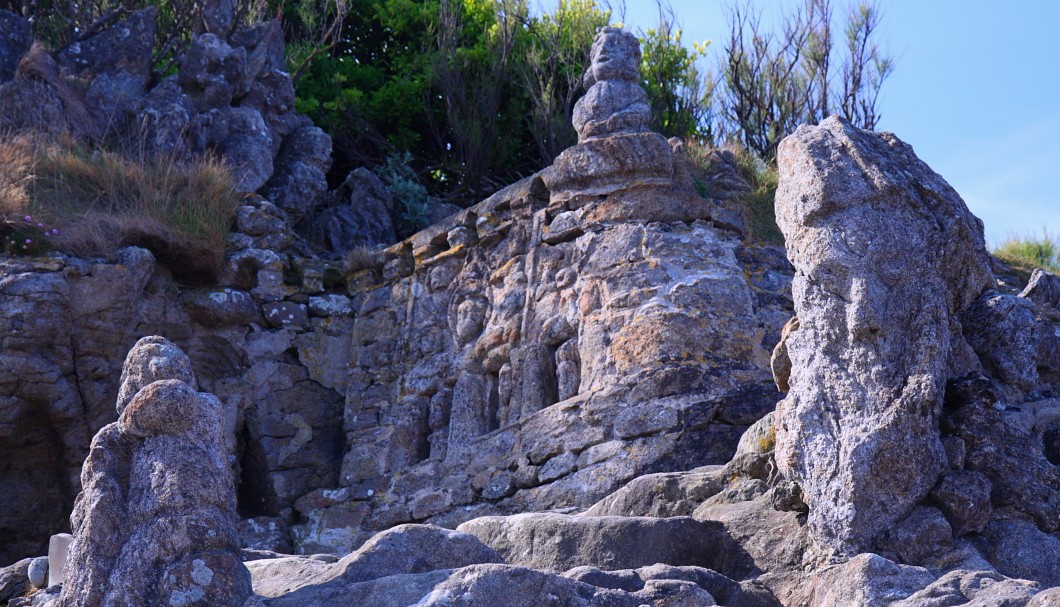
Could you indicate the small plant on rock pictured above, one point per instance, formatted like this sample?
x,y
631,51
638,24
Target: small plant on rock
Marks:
x,y
758,204
25,236
412,203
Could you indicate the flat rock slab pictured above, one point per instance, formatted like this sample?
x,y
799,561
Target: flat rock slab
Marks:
x,y
559,542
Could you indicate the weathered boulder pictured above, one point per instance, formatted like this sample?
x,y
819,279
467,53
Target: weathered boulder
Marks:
x,y
886,257
917,537
780,362
116,65
867,580
299,184
402,550
964,497
359,216
217,17
1046,598
662,495
1003,331
213,73
558,542
14,580
155,522
241,138
31,104
1006,445
972,589
1018,549
38,572
488,585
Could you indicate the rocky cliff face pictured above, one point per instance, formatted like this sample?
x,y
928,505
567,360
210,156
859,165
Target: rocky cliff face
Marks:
x,y
586,347
229,97
537,350
520,355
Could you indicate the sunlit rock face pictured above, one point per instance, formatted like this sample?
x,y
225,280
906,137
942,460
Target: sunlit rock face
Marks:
x,y
886,256
615,150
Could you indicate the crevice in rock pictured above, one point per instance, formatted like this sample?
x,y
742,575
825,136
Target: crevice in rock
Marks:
x,y
493,401
255,494
1051,445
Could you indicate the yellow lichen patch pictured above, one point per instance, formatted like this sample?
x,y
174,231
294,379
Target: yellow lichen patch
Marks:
x,y
769,441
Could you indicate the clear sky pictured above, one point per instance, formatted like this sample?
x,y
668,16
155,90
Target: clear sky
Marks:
x,y
975,91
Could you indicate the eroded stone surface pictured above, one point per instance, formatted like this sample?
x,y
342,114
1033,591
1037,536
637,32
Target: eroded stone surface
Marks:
x,y
155,523
886,257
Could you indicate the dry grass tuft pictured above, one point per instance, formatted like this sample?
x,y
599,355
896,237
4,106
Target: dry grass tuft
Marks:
x,y
100,200
16,168
759,205
363,257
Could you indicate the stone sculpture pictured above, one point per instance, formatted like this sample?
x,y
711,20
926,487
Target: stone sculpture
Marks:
x,y
615,150
614,103
886,257
155,523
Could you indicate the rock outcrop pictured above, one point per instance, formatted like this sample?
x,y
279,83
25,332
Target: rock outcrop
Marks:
x,y
230,97
887,257
155,523
570,344
522,354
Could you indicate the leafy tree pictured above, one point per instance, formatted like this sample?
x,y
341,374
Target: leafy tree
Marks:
x,y
475,77
681,98
556,60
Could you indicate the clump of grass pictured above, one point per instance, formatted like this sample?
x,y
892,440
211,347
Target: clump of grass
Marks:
x,y
363,257
759,203
16,164
755,199
1028,252
101,200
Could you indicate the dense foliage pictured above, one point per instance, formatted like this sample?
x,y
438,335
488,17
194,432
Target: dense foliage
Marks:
x,y
473,94
480,92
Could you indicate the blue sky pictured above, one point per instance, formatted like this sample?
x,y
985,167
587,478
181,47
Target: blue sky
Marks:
x,y
976,92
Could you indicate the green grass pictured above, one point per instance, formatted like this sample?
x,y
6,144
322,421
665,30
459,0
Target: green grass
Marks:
x,y
101,200
1029,252
759,204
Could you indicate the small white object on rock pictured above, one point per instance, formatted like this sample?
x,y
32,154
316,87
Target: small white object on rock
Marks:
x,y
58,551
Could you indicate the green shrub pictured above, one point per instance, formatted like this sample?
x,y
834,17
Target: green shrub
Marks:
x,y
681,97
1028,252
412,203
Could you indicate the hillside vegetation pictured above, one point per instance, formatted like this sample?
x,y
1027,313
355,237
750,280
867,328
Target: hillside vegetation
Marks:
x,y
474,94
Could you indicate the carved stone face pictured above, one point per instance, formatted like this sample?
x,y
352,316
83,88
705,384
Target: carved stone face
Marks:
x,y
615,56
152,359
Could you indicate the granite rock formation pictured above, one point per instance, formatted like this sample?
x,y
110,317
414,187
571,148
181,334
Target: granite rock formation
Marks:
x,y
434,387
155,522
573,345
886,257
